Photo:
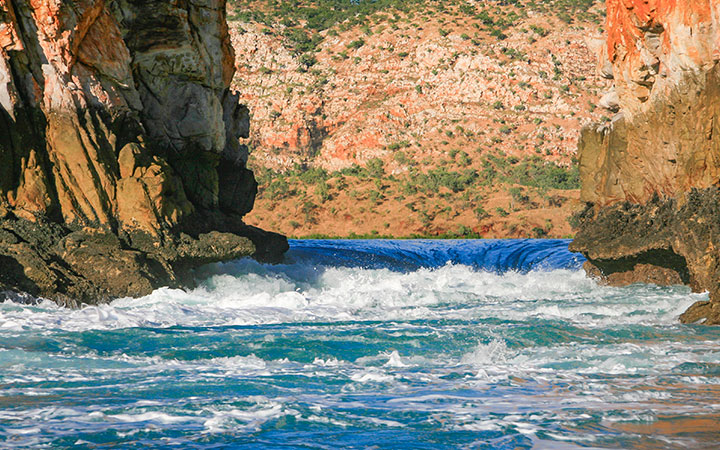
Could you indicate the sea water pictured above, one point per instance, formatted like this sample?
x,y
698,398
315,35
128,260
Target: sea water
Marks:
x,y
368,344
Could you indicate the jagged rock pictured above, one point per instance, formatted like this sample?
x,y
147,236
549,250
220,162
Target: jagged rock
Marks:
x,y
119,141
707,313
650,177
610,101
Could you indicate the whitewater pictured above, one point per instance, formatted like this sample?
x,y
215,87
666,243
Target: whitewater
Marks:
x,y
415,344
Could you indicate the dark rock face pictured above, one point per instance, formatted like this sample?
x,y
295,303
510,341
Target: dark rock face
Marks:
x,y
120,167
663,241
650,177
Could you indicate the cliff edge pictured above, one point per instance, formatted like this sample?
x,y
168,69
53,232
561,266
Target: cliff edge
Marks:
x,y
120,166
651,177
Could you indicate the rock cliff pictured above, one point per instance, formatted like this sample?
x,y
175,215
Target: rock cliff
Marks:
x,y
650,177
120,163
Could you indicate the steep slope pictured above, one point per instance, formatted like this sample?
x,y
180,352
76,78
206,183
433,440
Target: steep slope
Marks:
x,y
120,166
417,117
650,177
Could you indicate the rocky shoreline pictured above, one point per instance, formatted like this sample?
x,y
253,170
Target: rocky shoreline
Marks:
x,y
92,265
664,241
651,177
120,163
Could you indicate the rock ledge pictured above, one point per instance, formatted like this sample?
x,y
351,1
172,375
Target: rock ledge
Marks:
x,y
650,177
120,163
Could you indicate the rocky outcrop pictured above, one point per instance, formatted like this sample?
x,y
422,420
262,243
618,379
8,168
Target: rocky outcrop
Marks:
x,y
120,163
650,176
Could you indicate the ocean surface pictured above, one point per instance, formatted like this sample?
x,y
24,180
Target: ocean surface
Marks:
x,y
368,344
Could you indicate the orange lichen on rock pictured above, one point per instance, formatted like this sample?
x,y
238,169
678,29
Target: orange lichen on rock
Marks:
x,y
664,57
649,41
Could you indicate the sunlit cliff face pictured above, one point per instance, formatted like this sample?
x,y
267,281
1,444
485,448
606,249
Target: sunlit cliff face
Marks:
x,y
119,113
651,175
120,161
653,45
663,58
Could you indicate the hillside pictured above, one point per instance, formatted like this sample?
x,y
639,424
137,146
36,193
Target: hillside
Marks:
x,y
417,117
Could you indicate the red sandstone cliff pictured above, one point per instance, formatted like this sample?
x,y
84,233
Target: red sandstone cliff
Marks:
x,y
119,145
650,177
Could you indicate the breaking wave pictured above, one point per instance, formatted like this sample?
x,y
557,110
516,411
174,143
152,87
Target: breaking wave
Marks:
x,y
392,344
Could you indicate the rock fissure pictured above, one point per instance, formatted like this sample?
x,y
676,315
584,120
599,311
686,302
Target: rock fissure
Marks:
x,y
118,131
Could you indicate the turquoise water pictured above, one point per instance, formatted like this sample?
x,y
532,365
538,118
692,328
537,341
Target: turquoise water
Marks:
x,y
368,344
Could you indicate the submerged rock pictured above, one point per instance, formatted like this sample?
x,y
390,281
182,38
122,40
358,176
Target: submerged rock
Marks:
x,y
650,177
120,165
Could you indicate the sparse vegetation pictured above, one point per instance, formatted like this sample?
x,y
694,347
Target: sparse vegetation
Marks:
x,y
356,44
407,166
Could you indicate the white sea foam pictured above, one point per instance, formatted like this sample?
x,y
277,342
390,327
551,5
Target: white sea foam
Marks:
x,y
493,353
257,294
512,353
395,360
247,420
372,375
152,416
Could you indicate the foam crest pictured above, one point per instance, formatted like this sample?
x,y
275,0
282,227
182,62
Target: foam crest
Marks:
x,y
504,342
245,420
491,354
281,295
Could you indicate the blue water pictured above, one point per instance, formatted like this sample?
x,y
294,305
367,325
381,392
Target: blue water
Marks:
x,y
368,344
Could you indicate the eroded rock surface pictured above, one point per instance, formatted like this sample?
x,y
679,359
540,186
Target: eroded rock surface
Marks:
x,y
650,177
120,165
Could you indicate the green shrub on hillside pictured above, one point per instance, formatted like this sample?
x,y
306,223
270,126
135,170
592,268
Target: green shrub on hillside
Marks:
x,y
320,15
356,44
300,41
311,176
375,168
398,145
323,191
531,171
434,179
307,60
278,189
